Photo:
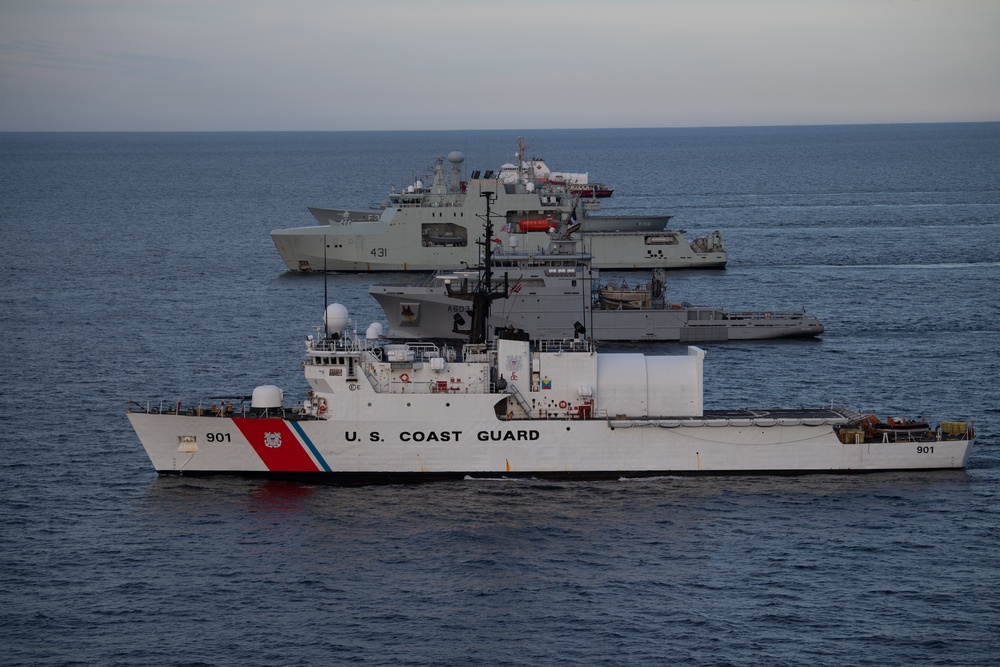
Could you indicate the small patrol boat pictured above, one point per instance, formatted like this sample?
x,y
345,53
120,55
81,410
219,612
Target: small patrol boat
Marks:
x,y
507,406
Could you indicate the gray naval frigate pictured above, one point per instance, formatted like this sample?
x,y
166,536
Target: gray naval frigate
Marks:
x,y
429,228
556,292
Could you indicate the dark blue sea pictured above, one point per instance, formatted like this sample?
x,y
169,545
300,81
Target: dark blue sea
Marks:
x,y
139,266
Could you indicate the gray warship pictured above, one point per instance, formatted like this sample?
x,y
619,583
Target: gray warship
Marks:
x,y
426,228
555,292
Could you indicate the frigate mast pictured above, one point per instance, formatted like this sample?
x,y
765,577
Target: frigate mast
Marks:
x,y
485,294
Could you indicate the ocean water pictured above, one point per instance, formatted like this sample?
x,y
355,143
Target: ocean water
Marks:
x,y
139,267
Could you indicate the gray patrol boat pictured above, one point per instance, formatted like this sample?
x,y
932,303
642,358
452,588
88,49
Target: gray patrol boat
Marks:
x,y
556,292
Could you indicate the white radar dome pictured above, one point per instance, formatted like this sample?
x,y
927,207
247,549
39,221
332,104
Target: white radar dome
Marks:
x,y
374,331
456,157
336,317
266,396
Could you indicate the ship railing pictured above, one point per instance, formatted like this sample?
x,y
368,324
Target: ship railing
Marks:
x,y
223,409
478,352
903,435
424,351
768,315
411,352
565,345
426,281
956,431
484,352
340,344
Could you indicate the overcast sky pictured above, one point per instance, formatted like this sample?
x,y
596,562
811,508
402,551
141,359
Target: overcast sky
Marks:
x,y
422,64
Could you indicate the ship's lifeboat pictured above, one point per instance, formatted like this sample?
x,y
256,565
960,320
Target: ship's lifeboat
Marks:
x,y
624,299
536,225
893,424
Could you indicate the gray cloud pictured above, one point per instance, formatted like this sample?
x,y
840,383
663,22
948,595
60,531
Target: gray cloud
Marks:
x,y
394,64
33,53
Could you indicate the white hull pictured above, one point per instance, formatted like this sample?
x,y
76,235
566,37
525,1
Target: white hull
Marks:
x,y
377,449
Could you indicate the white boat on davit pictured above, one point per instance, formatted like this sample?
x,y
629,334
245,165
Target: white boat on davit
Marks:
x,y
426,228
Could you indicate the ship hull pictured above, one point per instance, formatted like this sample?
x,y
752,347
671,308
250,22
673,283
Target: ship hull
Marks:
x,y
416,312
379,246
424,444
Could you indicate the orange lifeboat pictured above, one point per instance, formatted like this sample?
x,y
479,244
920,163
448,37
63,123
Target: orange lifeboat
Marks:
x,y
536,225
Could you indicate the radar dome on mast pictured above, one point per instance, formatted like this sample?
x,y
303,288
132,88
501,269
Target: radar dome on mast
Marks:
x,y
336,317
456,158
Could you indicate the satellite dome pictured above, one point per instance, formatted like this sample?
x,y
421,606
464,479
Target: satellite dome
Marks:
x,y
456,157
336,317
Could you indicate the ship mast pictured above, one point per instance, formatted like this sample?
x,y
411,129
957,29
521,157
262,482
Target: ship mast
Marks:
x,y
521,175
484,294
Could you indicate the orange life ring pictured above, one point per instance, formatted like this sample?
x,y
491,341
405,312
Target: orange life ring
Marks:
x,y
322,406
562,405
403,377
